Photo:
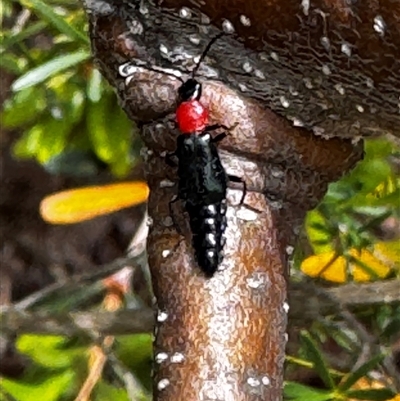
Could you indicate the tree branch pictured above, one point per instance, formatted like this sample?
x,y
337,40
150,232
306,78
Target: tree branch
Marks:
x,y
306,305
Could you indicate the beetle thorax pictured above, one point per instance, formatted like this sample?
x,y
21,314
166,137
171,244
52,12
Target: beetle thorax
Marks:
x,y
191,116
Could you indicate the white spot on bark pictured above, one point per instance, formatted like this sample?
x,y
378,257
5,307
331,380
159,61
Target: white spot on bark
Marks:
x,y
127,69
163,49
369,82
253,382
227,26
165,253
184,12
257,280
143,9
247,67
166,184
318,130
245,20
259,74
297,122
305,4
346,49
274,56
246,214
286,307
284,102
161,357
162,316
242,87
325,42
308,83
177,357
379,25
195,39
326,70
289,250
340,89
163,384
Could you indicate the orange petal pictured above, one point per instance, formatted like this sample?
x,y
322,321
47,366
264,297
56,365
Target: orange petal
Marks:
x,y
76,205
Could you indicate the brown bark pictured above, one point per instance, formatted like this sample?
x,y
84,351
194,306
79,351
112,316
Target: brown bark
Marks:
x,y
329,67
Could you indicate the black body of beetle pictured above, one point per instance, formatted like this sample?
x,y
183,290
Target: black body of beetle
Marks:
x,y
202,186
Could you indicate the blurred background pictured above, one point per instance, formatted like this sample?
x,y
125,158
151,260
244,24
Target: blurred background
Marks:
x,y
62,128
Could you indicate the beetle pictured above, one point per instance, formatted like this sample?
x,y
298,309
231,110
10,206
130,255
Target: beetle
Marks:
x,y
203,182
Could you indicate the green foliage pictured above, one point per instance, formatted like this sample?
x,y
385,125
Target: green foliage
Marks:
x,y
314,355
59,100
296,391
334,391
351,213
59,367
135,352
54,371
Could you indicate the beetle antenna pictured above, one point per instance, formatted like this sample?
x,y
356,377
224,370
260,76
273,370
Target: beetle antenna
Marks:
x,y
206,50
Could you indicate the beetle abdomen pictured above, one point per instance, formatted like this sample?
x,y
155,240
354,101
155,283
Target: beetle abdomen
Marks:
x,y
208,224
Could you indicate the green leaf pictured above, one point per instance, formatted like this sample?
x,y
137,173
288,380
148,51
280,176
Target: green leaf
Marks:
x,y
12,64
48,69
24,107
105,392
382,394
393,327
44,140
314,355
28,145
48,14
362,371
373,172
48,351
53,388
318,232
378,148
95,86
96,124
390,199
135,352
120,140
110,131
372,211
53,140
71,98
296,391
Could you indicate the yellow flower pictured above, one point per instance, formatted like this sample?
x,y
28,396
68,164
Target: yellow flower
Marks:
x,y
337,268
